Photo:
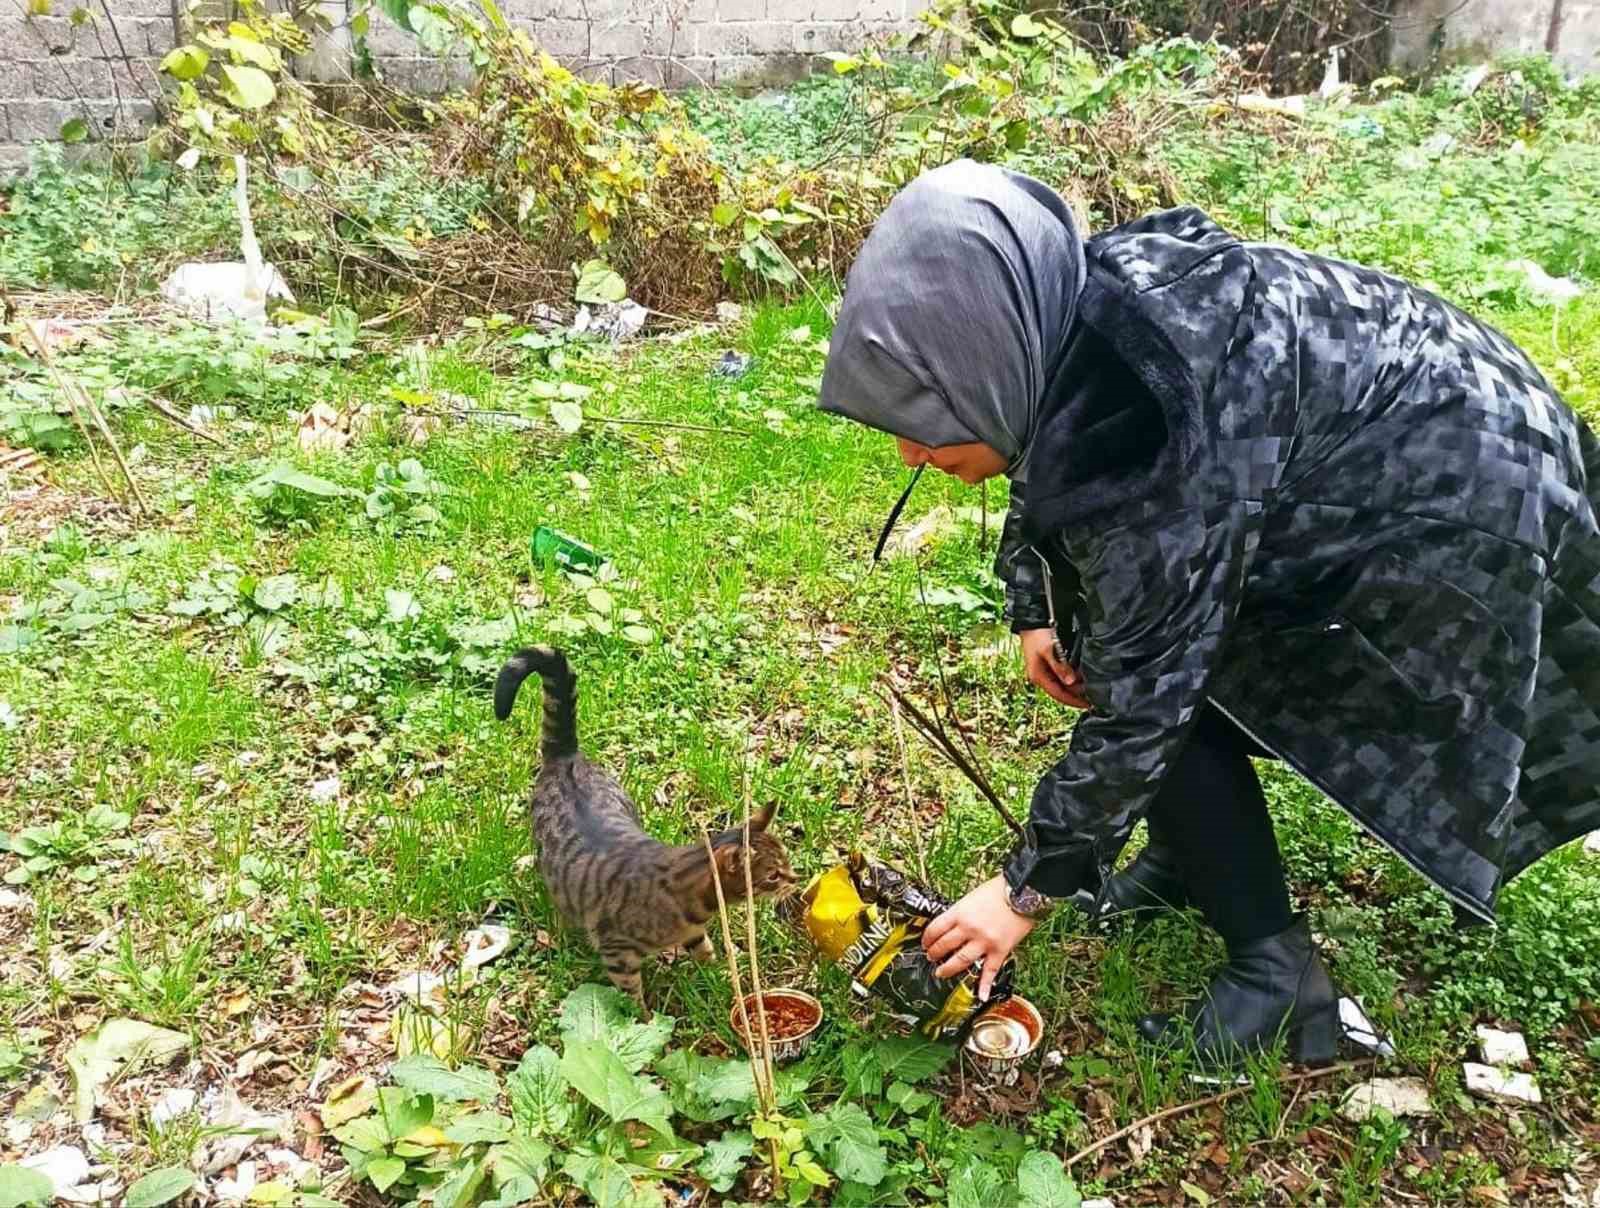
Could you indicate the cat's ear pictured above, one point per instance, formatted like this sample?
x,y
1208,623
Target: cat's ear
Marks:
x,y
762,819
730,862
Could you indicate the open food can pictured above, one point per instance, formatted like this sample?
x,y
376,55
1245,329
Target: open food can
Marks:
x,y
793,1020
1002,1037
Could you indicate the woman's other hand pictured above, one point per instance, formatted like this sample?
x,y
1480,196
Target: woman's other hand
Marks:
x,y
980,927
1060,680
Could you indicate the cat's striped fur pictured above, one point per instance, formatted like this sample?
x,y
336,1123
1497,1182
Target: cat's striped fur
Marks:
x,y
630,894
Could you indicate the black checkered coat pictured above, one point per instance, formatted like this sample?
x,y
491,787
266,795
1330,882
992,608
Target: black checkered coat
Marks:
x,y
1369,537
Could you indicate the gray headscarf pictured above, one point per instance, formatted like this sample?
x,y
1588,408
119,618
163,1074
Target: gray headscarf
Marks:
x,y
957,311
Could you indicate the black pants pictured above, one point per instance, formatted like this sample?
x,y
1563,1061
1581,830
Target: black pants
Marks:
x,y
1211,815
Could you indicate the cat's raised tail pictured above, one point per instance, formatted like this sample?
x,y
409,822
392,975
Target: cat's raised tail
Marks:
x,y
560,696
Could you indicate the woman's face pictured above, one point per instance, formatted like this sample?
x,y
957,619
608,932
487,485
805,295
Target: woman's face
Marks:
x,y
971,462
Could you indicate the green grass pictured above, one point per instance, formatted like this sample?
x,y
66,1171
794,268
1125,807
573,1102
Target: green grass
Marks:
x,y
321,799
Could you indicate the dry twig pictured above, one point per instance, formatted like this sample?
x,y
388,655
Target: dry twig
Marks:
x,y
939,739
1195,1105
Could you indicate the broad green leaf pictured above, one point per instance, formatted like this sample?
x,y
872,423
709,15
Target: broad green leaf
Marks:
x,y
490,1127
296,480
398,11
365,1135
724,213
538,1090
38,8
725,1158
522,1162
273,1192
593,1012
639,635
567,415
253,52
24,1188
385,1172
461,1188
75,131
277,591
609,1183
912,1058
600,1077
428,1075
16,638
976,1184
891,1193
638,1044
1043,1183
847,1139
907,1098
600,600
599,282
1196,1193
116,1048
729,1081
159,1187
248,87
1024,26
403,1113
185,62
351,1098
661,1155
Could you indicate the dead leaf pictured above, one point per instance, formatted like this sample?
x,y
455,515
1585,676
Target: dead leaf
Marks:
x,y
53,335
114,1049
320,430
353,1097
913,540
251,1061
17,461
1140,1142
311,1128
237,1004
419,429
429,1135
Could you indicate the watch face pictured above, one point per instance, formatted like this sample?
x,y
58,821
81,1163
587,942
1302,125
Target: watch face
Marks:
x,y
1029,901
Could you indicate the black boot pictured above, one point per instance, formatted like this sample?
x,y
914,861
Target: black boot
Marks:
x,y
1270,987
1153,882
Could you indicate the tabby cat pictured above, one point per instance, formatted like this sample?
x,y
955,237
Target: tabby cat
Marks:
x,y
630,894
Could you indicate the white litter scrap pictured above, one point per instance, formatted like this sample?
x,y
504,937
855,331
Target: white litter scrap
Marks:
x,y
1397,1096
1502,1048
1487,1082
484,944
616,321
1591,845
229,288
1547,290
65,1166
1360,1031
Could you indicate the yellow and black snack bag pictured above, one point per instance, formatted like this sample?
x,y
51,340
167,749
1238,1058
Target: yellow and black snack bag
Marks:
x,y
870,918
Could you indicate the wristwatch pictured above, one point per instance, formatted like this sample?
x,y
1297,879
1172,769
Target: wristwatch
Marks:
x,y
1029,903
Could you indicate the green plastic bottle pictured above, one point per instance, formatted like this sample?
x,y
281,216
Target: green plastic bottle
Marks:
x,y
569,551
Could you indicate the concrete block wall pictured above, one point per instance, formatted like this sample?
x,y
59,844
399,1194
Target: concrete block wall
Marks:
x,y
52,71
677,43
104,71
1426,31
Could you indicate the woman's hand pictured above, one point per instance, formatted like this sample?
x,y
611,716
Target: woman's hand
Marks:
x,y
1060,680
980,927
